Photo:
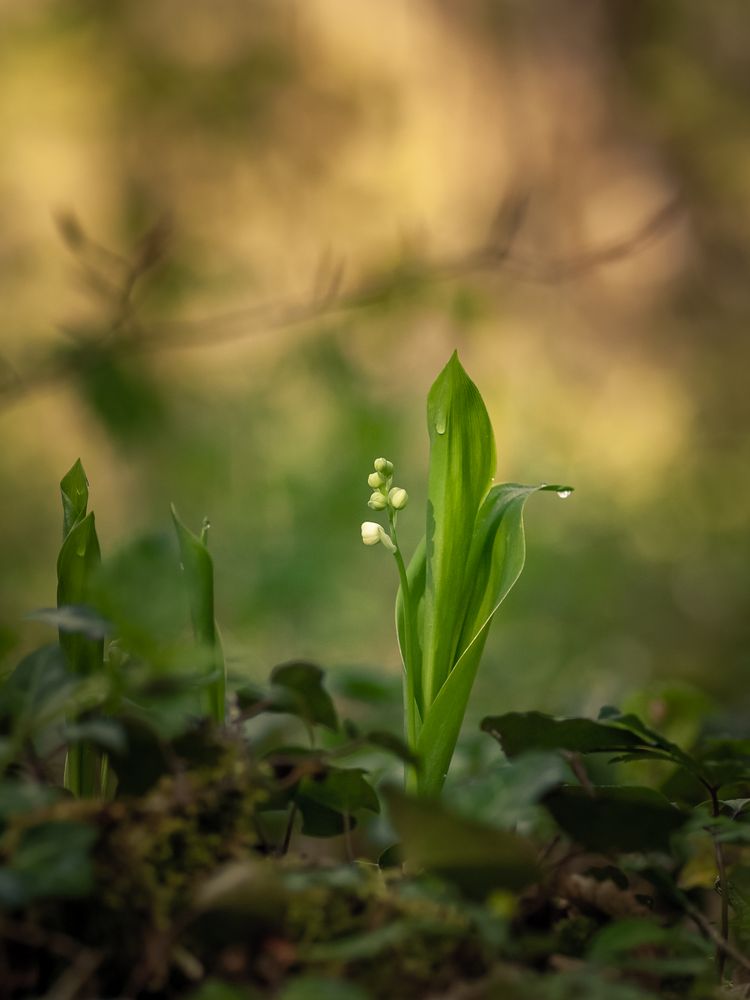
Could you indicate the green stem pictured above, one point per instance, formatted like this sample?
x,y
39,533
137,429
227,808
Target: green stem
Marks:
x,y
409,656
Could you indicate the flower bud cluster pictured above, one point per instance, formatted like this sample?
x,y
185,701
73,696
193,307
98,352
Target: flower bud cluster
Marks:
x,y
385,496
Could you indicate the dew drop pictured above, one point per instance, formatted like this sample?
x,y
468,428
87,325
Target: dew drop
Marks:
x,y
440,423
564,494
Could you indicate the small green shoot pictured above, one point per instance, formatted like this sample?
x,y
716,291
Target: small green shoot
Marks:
x,y
472,554
85,767
198,570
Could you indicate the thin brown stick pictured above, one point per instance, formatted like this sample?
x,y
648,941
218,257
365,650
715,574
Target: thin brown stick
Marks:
x,y
125,335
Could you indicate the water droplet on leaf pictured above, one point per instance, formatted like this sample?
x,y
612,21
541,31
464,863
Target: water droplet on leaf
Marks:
x,y
564,494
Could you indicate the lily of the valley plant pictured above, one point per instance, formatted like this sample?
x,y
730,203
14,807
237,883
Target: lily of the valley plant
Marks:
x,y
472,554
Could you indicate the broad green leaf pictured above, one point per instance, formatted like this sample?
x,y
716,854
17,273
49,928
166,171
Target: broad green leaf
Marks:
x,y
476,857
604,821
462,464
198,569
519,732
499,541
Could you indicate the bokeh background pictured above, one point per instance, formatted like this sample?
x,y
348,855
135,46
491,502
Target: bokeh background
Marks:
x,y
310,187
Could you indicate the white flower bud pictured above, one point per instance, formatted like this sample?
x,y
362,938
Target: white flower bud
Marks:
x,y
377,501
373,533
384,467
398,498
375,480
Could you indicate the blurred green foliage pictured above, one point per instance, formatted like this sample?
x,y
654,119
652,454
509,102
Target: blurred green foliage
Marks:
x,y
272,137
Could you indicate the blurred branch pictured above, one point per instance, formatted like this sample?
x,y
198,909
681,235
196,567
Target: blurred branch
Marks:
x,y
115,278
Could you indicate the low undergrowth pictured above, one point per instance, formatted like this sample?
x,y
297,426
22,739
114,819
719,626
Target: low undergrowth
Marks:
x,y
167,830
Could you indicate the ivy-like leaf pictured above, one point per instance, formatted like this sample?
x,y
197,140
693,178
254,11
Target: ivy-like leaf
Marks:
x,y
301,684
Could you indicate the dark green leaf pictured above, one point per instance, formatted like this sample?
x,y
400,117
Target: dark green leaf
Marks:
x,y
616,818
345,790
478,858
17,797
52,859
321,821
302,683
142,761
519,732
